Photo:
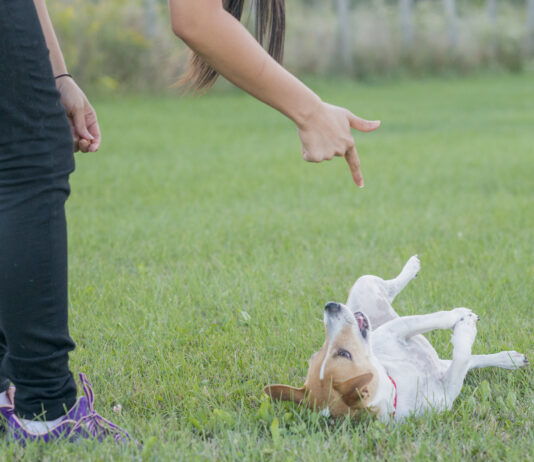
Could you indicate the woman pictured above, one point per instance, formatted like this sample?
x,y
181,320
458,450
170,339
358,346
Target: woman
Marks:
x,y
36,146
38,135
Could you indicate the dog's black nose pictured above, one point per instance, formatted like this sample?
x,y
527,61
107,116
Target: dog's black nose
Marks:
x,y
332,307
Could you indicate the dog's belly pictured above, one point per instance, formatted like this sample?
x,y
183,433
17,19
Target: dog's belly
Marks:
x,y
417,353
417,371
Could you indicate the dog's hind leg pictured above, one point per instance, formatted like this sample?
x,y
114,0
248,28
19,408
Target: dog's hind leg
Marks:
x,y
368,295
394,286
373,295
505,359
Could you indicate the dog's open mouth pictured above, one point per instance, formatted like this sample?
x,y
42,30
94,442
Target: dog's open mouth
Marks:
x,y
363,323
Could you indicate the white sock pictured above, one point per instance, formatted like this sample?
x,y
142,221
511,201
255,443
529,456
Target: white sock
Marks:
x,y
4,400
40,427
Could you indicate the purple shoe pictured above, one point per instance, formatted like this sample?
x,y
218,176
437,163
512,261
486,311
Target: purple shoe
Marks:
x,y
80,422
7,407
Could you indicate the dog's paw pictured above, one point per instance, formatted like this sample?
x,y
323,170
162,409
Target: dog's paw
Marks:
x,y
464,315
412,266
465,331
512,360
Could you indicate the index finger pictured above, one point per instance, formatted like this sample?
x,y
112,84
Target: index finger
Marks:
x,y
351,156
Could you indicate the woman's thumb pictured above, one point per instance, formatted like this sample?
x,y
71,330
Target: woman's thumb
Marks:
x,y
78,117
363,125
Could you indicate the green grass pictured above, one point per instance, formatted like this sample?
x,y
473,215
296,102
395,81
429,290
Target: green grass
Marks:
x,y
202,250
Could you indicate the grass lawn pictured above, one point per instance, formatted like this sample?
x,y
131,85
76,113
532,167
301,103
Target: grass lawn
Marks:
x,y
203,249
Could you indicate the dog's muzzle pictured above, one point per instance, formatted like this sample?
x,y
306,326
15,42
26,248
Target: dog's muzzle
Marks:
x,y
332,308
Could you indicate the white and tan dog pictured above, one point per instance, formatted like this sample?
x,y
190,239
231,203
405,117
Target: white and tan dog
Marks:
x,y
391,371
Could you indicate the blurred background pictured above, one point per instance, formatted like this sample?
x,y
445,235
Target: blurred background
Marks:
x,y
128,44
202,248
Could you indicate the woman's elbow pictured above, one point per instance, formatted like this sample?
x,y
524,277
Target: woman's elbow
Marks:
x,y
188,17
180,26
180,18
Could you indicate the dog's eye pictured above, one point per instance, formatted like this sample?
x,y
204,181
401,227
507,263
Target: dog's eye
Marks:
x,y
344,353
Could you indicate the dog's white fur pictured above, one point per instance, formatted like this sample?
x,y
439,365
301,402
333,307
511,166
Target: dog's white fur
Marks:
x,y
397,348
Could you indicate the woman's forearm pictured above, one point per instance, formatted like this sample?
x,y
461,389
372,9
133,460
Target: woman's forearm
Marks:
x,y
56,56
80,114
221,40
227,46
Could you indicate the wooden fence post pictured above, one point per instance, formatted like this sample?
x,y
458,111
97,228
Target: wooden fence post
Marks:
x,y
406,21
344,36
151,18
530,28
491,7
450,12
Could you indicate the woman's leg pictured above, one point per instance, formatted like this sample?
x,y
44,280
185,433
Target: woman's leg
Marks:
x,y
4,381
36,158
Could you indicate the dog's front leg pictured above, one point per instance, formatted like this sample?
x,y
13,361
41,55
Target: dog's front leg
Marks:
x,y
462,340
408,326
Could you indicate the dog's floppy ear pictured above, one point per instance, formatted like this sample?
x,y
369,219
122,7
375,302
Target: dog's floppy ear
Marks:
x,y
285,393
354,389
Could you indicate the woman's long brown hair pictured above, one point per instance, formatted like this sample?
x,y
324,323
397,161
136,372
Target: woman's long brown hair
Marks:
x,y
269,29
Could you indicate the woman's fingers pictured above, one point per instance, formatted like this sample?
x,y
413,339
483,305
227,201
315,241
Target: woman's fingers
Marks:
x,y
94,129
352,159
351,156
363,125
86,132
84,145
78,116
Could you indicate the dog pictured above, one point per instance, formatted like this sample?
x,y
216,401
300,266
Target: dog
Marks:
x,y
376,362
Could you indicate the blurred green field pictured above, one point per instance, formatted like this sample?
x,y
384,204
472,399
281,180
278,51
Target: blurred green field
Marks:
x,y
202,250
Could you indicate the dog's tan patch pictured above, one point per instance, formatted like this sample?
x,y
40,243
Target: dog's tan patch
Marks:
x,y
347,386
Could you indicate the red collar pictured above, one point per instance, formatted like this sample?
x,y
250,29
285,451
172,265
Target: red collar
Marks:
x,y
394,402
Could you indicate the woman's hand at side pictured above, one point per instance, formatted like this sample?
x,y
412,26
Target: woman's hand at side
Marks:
x,y
81,115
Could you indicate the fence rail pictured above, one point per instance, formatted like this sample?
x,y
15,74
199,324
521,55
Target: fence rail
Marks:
x,y
130,43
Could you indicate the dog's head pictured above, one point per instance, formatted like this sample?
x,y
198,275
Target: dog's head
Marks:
x,y
341,376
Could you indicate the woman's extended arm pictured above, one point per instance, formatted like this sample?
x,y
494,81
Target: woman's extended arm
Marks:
x,y
81,115
324,130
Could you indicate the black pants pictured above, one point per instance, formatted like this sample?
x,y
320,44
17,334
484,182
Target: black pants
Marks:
x,y
36,158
